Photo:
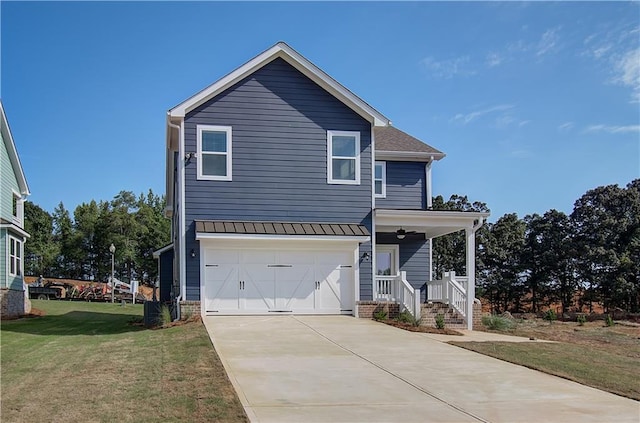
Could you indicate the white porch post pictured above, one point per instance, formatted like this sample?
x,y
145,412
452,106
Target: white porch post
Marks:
x,y
470,235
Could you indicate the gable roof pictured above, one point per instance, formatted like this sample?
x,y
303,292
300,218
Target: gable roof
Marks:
x,y
394,143
299,62
13,153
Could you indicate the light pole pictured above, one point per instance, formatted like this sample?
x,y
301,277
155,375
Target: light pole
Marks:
x,y
112,250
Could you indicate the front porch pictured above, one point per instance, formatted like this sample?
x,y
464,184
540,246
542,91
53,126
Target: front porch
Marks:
x,y
403,263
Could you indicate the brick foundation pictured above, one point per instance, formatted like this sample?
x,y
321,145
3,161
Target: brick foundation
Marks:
x,y
452,319
189,308
13,303
366,309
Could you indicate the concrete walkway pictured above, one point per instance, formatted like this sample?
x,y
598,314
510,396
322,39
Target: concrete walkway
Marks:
x,y
341,369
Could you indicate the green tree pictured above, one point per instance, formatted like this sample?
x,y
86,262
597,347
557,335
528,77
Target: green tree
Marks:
x,y
501,276
154,233
40,250
607,225
63,236
547,259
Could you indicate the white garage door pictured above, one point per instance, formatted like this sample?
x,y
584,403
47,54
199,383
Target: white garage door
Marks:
x,y
271,281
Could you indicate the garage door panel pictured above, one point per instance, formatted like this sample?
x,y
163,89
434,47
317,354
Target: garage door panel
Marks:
x,y
295,287
258,289
263,281
221,281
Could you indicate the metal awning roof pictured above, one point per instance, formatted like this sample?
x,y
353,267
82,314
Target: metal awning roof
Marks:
x,y
280,228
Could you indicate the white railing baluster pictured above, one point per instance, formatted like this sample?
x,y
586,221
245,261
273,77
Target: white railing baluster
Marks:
x,y
451,289
397,288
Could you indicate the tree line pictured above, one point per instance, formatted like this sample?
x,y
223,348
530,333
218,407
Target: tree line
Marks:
x,y
591,256
78,247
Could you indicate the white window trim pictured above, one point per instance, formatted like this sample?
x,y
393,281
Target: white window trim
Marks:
x,y
11,257
394,249
19,216
227,129
384,180
330,157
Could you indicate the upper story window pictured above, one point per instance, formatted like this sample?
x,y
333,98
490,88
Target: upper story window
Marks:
x,y
380,179
15,257
214,152
17,208
343,157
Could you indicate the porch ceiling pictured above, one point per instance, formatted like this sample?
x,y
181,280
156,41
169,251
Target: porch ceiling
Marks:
x,y
432,223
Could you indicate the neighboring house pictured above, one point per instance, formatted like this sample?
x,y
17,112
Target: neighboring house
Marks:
x,y
13,192
289,194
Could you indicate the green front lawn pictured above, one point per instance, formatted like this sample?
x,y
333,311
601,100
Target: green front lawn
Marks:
x,y
90,362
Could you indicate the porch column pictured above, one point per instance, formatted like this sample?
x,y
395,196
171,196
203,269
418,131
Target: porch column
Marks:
x,y
470,236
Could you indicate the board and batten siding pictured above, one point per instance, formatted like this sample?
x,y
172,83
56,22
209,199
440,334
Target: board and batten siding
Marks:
x,y
9,184
414,257
279,121
405,187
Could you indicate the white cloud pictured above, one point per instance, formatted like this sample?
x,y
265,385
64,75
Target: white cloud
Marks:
x,y
493,59
547,42
627,71
616,51
449,68
470,117
613,129
567,126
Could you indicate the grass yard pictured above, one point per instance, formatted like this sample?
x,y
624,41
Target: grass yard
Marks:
x,y
595,355
87,362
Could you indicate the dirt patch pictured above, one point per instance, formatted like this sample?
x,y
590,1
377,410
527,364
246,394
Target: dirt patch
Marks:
x,y
422,329
621,337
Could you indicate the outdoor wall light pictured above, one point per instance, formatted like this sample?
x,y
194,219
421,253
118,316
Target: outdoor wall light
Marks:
x,y
366,256
193,253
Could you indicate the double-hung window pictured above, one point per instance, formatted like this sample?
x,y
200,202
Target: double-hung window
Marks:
x,y
15,257
214,152
380,179
343,157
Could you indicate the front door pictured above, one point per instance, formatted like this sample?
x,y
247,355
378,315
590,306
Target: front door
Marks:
x,y
387,260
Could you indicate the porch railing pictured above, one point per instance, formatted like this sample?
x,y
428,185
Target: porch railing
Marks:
x,y
396,288
452,290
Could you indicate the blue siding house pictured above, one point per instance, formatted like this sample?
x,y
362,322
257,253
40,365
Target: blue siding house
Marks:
x,y
289,194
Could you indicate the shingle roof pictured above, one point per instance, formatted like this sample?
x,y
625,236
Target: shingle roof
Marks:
x,y
280,228
389,138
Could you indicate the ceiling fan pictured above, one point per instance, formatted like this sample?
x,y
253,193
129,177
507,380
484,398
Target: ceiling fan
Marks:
x,y
401,233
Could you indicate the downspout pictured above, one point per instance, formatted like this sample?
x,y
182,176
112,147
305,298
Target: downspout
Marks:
x,y
182,272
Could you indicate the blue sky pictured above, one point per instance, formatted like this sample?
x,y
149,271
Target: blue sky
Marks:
x,y
533,103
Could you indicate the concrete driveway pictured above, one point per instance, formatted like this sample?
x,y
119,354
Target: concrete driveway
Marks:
x,y
343,369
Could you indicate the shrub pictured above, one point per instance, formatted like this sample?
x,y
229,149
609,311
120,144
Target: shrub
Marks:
x,y
550,315
608,320
165,316
407,317
380,315
440,321
495,322
581,319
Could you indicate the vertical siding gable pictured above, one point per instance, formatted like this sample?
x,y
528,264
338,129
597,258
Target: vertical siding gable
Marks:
x,y
405,186
279,120
9,183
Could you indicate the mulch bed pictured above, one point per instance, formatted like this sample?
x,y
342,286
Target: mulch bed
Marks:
x,y
422,329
